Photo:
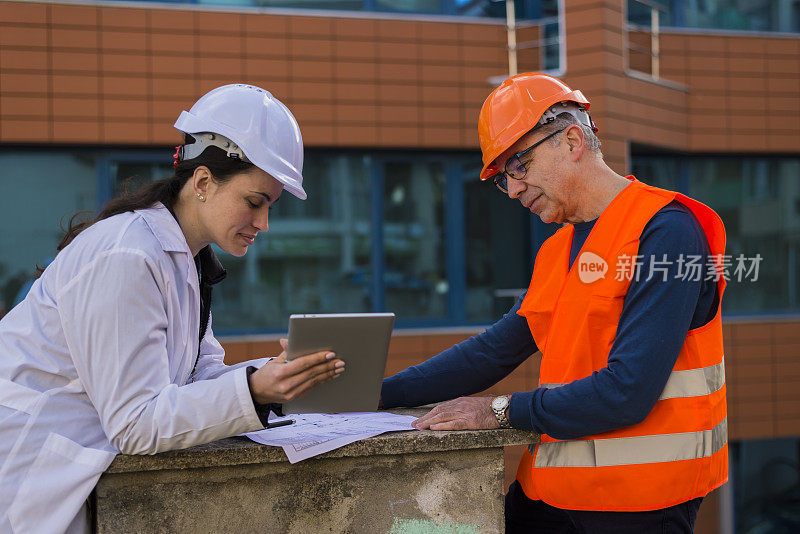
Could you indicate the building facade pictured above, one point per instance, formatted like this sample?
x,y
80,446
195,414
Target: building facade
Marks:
x,y
700,97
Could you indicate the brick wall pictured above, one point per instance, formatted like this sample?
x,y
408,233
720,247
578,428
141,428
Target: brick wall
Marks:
x,y
763,377
118,75
744,91
720,93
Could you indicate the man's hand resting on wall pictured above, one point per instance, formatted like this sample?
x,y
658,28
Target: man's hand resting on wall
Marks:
x,y
463,413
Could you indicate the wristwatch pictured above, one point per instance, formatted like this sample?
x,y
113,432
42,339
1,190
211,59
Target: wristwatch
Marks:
x,y
500,408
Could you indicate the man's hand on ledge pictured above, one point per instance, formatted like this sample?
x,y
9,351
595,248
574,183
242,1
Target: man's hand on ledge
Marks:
x,y
463,413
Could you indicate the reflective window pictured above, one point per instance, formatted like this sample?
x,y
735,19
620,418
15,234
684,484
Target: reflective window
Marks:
x,y
766,487
663,172
41,192
501,240
315,258
451,249
413,239
338,5
525,9
127,176
765,223
378,232
410,6
758,199
748,15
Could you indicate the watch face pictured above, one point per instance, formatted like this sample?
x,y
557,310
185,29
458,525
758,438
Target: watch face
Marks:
x,y
499,403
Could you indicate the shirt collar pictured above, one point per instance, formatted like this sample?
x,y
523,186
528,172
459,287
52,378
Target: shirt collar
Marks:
x,y
583,227
165,227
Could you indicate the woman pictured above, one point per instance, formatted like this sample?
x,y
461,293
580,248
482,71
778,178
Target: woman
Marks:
x,y
112,350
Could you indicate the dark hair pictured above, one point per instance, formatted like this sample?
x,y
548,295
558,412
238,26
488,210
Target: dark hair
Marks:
x,y
166,191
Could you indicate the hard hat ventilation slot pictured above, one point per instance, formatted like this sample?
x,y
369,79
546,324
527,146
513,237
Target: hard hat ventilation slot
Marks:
x,y
204,140
576,110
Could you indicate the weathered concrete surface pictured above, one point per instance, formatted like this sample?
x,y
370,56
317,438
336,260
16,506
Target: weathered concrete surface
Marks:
x,y
404,482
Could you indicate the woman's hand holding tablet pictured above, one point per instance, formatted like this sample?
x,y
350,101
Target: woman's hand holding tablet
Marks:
x,y
280,380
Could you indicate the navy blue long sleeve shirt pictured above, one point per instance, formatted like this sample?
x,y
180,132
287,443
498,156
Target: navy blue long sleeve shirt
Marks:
x,y
656,315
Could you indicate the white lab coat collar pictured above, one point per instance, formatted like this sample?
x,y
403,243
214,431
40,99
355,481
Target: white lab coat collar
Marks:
x,y
166,228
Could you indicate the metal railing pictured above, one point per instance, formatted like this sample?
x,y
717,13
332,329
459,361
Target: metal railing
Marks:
x,y
513,46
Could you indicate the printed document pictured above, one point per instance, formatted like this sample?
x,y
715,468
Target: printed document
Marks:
x,y
316,433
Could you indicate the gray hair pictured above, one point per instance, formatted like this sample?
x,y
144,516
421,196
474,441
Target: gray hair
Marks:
x,y
564,120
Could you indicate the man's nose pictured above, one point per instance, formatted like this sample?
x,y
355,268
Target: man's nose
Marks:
x,y
515,187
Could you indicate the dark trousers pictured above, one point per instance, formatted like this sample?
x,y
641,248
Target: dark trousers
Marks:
x,y
526,516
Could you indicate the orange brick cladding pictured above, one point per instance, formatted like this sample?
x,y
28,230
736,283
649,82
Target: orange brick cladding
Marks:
x,y
112,75
109,75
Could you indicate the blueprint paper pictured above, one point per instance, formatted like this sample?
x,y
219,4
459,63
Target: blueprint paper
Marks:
x,y
301,451
316,433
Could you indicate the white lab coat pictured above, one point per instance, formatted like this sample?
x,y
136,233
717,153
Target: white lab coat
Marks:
x,y
97,360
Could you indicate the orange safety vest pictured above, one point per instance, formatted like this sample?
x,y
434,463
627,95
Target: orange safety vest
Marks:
x,y
679,452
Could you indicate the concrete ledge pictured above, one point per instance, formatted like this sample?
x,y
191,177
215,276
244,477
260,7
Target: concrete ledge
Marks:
x,y
242,451
399,483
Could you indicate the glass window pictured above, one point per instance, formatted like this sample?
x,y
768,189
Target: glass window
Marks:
x,y
443,261
127,177
413,233
338,5
766,489
41,192
315,257
499,249
410,6
758,199
748,15
525,9
657,171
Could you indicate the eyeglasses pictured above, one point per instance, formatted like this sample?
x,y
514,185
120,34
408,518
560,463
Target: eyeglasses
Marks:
x,y
514,167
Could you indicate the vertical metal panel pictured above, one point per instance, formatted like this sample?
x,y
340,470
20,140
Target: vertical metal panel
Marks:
x,y
103,173
376,172
684,176
455,242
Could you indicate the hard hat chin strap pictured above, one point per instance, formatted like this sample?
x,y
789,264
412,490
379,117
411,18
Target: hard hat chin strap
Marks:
x,y
206,139
574,109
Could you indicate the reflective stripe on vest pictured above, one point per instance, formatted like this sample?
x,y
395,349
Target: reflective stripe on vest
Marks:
x,y
633,450
687,383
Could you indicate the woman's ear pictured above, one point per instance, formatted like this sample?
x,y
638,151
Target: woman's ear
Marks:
x,y
201,180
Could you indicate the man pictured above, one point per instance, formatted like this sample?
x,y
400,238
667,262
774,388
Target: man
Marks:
x,y
631,400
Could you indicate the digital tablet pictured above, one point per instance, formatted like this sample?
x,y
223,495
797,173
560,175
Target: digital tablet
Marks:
x,y
361,340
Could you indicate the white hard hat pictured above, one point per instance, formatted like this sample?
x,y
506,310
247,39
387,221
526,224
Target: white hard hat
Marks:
x,y
262,127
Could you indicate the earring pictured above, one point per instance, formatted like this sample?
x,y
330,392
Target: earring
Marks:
x,y
201,197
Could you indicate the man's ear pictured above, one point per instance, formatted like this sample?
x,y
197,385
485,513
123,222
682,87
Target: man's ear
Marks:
x,y
576,141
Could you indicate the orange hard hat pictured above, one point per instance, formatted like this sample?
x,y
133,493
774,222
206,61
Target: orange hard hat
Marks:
x,y
520,103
